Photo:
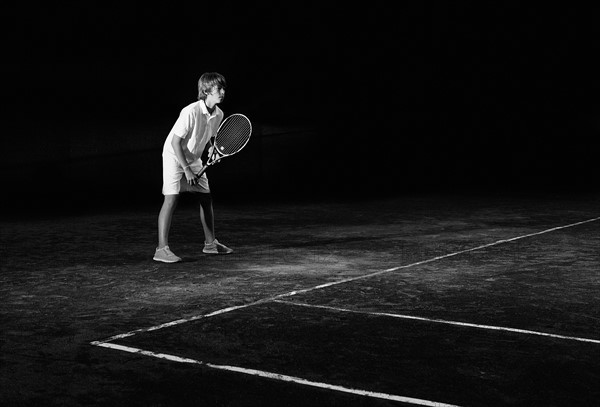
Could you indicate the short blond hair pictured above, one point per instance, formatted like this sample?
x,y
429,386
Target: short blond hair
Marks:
x,y
208,81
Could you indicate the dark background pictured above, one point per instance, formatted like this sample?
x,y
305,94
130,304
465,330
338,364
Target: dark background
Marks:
x,y
494,98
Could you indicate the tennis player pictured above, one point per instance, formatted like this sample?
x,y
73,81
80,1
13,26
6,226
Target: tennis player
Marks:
x,y
182,160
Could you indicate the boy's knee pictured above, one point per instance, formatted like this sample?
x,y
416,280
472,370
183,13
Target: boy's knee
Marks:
x,y
170,199
204,198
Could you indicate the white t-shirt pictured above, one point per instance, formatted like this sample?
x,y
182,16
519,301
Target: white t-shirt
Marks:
x,y
196,126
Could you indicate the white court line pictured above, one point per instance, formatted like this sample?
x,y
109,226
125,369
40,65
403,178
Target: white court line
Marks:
x,y
442,321
105,343
277,376
330,284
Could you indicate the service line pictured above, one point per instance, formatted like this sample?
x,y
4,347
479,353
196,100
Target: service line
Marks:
x,y
441,321
333,283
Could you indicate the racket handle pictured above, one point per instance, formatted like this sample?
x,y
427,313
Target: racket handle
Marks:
x,y
202,171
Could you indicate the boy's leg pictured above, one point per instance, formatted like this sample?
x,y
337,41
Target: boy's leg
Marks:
x,y
172,186
207,217
211,244
163,253
164,219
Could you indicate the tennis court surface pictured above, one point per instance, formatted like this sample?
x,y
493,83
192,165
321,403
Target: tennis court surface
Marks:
x,y
420,300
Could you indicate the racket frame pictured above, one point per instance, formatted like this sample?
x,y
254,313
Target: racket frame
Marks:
x,y
212,159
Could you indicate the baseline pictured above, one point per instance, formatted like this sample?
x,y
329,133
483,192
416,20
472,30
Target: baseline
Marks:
x,y
280,377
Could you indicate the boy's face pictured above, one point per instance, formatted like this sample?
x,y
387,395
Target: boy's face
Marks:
x,y
216,95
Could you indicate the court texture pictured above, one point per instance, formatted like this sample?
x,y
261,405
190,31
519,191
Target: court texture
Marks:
x,y
417,300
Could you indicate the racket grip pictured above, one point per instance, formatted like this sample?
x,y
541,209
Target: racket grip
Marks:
x,y
202,171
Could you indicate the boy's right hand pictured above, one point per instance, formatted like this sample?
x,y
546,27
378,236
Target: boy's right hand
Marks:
x,y
191,178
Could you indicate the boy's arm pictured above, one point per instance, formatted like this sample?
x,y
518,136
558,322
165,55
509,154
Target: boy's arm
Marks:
x,y
177,143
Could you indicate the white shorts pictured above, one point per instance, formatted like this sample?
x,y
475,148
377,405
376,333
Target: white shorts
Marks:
x,y
174,180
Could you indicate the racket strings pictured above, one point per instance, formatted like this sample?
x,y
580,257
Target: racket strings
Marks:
x,y
233,134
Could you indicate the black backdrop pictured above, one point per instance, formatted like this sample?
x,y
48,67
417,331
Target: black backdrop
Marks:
x,y
487,97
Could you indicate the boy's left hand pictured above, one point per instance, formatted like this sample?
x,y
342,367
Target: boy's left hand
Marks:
x,y
214,154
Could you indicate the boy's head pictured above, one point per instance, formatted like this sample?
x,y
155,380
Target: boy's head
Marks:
x,y
209,82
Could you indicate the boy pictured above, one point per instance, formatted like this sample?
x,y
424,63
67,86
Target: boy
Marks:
x,y
182,152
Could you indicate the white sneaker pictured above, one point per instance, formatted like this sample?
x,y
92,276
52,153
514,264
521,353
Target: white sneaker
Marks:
x,y
216,248
166,255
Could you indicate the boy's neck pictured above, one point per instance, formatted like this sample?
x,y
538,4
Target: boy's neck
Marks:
x,y
210,108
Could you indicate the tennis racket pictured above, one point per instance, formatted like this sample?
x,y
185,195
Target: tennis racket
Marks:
x,y
233,135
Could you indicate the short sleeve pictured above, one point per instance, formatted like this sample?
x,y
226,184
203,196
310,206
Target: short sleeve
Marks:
x,y
184,124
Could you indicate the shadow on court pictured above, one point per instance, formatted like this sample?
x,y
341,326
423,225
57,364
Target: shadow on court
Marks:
x,y
474,301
